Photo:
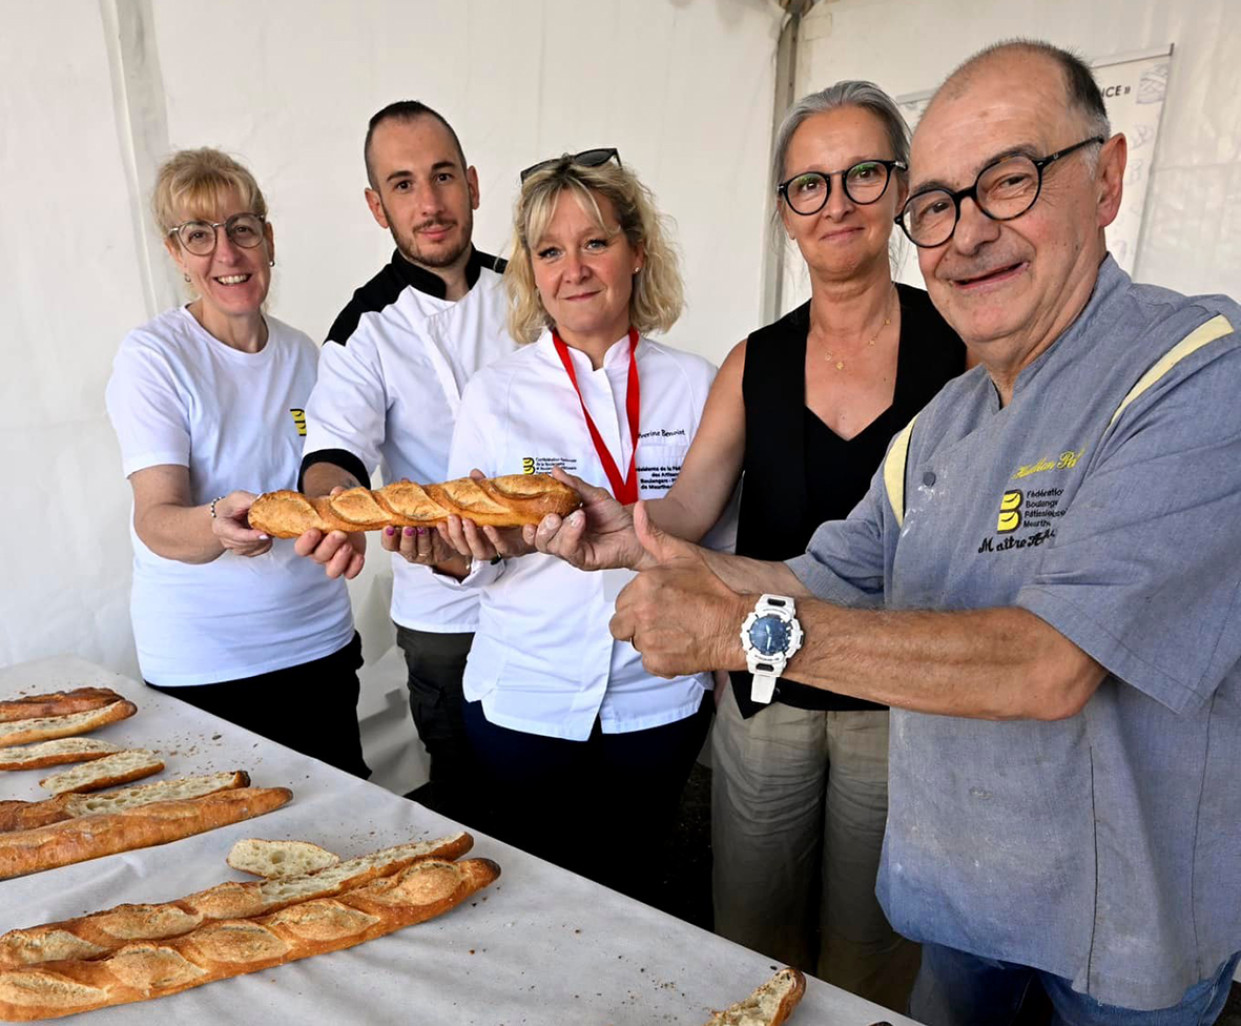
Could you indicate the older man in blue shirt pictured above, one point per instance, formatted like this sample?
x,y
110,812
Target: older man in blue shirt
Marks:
x,y
1044,582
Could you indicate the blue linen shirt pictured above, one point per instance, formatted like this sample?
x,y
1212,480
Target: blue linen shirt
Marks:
x,y
1106,847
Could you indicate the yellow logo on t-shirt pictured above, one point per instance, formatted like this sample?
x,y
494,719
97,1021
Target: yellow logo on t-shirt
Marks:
x,y
299,418
1010,512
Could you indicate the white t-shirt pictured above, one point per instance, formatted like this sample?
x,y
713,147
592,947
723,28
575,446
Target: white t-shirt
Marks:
x,y
543,660
179,396
388,393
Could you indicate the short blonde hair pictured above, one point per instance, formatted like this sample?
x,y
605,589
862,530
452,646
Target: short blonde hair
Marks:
x,y
658,295
195,184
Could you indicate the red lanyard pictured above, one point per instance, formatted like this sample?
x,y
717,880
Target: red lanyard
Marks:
x,y
625,489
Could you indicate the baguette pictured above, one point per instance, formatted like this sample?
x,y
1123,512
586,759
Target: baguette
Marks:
x,y
48,728
769,1005
55,753
91,837
27,815
121,768
277,860
501,502
57,703
97,934
217,951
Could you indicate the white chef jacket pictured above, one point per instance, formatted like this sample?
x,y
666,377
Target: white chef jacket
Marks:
x,y
388,392
543,660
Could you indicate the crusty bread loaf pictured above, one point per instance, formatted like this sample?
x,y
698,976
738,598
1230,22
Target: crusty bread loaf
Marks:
x,y
96,934
769,1005
91,837
48,728
27,815
216,951
277,860
501,502
55,753
121,768
56,703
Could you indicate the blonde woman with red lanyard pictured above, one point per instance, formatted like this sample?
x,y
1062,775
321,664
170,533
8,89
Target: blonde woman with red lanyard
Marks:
x,y
573,735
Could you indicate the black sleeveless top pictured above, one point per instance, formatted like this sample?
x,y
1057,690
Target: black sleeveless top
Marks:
x,y
798,473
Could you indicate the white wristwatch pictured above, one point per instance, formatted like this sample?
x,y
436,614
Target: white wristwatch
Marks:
x,y
770,636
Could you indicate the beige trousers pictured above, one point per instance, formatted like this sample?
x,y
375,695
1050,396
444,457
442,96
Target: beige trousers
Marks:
x,y
798,807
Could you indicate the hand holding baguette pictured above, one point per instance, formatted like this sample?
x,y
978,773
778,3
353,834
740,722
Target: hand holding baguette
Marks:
x,y
509,501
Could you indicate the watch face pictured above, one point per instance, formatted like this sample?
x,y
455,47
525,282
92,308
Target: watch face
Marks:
x,y
769,635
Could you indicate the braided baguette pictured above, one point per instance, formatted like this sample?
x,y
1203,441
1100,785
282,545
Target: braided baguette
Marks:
x,y
18,815
101,932
48,728
234,947
92,837
57,703
500,501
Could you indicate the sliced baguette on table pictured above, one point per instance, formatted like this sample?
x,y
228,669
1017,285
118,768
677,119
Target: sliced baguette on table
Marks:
x,y
57,703
48,728
220,950
769,1005
55,753
276,860
120,768
93,836
100,932
17,815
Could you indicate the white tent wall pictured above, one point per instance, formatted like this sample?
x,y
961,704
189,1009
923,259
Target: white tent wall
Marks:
x,y
93,93
1191,238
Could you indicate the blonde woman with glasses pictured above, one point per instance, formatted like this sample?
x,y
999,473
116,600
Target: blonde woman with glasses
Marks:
x,y
207,401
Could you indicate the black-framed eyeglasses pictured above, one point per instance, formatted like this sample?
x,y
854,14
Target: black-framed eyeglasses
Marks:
x,y
1003,190
198,237
865,182
587,158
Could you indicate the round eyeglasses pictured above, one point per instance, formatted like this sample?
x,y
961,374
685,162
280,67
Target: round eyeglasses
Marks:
x,y
865,182
198,237
1003,190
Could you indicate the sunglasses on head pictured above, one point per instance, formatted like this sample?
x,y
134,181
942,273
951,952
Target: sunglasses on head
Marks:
x,y
587,158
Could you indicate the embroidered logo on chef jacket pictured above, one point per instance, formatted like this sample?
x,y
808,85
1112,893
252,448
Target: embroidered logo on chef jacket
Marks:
x,y
299,418
544,464
1010,512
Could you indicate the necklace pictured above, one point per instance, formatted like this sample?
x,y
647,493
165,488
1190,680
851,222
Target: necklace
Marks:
x,y
840,364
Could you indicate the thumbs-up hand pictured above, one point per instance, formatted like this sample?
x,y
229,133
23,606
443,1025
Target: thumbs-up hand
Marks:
x,y
677,612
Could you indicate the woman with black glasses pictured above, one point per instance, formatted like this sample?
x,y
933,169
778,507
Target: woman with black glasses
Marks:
x,y
206,401
802,412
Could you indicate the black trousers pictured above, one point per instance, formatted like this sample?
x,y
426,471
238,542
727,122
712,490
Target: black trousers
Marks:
x,y
436,665
605,807
311,708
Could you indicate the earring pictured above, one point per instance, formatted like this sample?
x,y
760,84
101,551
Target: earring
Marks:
x,y
637,269
187,278
272,262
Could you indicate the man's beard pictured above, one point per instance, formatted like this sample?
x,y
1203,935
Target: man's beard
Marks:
x,y
407,242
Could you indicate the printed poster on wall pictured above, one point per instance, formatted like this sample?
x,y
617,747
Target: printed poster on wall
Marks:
x,y
1134,86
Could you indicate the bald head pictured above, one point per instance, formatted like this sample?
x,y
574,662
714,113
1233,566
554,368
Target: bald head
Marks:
x,y
1081,93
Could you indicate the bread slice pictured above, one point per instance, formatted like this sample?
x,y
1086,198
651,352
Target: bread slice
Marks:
x,y
769,1005
121,768
56,703
48,728
180,789
279,860
55,753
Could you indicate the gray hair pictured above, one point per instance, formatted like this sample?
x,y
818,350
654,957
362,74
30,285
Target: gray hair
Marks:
x,y
848,93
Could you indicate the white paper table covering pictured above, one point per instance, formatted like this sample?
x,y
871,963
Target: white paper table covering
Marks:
x,y
540,945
